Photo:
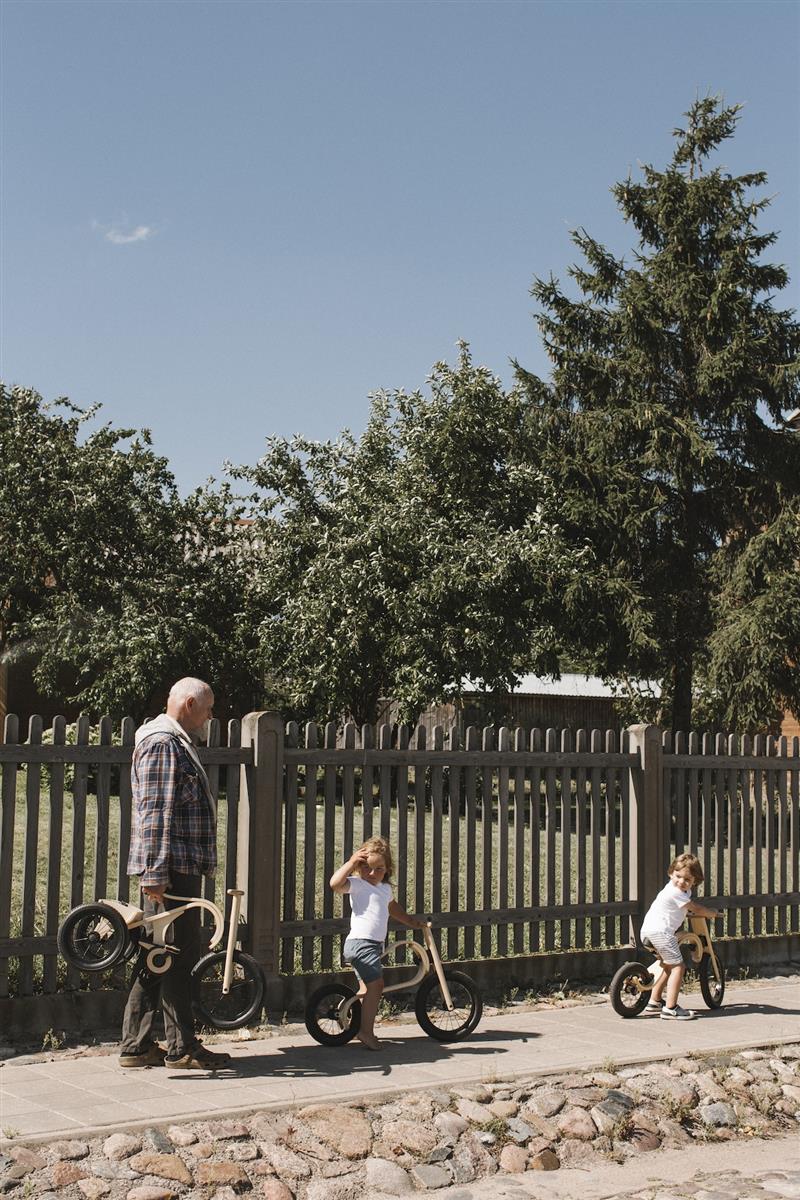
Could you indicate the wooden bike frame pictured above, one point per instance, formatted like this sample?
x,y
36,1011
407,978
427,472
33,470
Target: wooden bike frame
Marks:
x,y
698,936
426,955
159,957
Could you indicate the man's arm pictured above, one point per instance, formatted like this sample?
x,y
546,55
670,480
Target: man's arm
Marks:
x,y
157,771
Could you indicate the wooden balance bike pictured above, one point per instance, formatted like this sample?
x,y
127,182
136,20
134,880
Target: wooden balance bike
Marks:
x,y
227,985
633,982
447,1005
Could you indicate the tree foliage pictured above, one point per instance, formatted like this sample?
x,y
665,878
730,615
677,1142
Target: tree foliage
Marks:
x,y
403,562
661,427
111,585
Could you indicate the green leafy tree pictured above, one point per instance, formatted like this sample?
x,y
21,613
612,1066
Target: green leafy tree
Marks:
x,y
111,585
661,429
403,562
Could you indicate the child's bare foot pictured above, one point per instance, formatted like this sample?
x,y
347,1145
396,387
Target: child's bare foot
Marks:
x,y
369,1040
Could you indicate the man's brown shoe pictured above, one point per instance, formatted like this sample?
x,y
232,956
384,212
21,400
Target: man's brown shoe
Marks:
x,y
199,1059
152,1057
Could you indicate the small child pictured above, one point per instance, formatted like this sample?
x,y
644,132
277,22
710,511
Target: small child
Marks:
x,y
365,877
662,921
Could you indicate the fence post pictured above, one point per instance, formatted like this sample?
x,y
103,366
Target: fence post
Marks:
x,y
258,860
648,864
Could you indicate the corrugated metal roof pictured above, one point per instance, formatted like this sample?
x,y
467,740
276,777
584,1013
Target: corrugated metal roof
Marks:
x,y
570,684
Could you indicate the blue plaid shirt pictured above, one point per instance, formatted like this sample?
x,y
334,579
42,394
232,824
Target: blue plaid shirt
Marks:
x,y
174,825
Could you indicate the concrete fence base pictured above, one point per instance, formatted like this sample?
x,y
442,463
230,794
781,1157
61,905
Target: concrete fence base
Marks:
x,y
78,1013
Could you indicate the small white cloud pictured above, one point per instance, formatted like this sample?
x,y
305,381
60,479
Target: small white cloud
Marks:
x,y
120,238
124,234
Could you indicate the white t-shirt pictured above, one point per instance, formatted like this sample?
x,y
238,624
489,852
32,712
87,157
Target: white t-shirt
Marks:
x,y
666,913
370,908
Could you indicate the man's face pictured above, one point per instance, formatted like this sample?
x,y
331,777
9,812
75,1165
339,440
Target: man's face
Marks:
x,y
198,710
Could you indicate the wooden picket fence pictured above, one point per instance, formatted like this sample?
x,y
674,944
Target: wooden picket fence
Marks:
x,y
534,843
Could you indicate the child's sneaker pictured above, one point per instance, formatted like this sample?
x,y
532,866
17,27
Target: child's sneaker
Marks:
x,y
677,1014
654,1008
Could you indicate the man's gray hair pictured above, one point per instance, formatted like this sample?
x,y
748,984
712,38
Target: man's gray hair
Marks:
x,y
189,686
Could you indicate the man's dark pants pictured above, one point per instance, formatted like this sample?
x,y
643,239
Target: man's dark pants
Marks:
x,y
173,988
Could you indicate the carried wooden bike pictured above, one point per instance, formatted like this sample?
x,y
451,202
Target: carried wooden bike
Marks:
x,y
227,984
633,982
448,1005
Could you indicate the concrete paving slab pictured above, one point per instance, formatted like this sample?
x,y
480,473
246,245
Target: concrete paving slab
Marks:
x,y
290,1069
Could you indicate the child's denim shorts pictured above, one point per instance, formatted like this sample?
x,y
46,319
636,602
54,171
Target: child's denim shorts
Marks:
x,y
364,957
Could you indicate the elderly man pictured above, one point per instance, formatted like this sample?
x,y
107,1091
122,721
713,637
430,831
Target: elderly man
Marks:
x,y
173,845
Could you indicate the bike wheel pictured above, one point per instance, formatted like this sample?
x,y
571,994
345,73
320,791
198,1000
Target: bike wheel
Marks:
x,y
243,1002
440,1022
713,989
93,937
322,1015
627,999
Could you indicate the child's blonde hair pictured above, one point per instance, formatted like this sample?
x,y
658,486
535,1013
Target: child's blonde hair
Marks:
x,y
379,845
687,862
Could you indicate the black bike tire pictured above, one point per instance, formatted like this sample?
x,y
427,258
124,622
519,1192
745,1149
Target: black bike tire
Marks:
x,y
311,1015
709,982
81,913
629,970
421,1011
255,976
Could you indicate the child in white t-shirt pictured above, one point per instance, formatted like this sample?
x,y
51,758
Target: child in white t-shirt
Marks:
x,y
662,921
365,877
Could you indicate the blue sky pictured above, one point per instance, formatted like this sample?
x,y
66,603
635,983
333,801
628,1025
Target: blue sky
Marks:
x,y
229,220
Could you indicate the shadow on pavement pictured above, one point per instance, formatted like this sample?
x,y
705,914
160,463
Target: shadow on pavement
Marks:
x,y
305,1062
739,1007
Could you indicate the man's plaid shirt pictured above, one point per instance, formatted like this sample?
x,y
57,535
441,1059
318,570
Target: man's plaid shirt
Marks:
x,y
174,825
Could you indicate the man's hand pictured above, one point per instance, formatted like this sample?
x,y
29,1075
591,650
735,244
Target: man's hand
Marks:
x,y
154,890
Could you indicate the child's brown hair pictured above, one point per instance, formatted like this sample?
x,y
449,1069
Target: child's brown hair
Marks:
x,y
379,845
687,862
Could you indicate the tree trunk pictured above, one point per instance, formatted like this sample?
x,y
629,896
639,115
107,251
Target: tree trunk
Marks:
x,y
682,696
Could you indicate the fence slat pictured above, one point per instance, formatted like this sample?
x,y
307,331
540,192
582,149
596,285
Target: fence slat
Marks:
x,y
503,743
519,842
420,799
470,784
580,836
794,844
453,828
310,847
783,816
487,817
596,745
746,836
550,785
328,842
127,737
290,859
54,844
565,775
613,933
79,792
31,856
437,831
733,830
770,839
7,823
535,743
402,822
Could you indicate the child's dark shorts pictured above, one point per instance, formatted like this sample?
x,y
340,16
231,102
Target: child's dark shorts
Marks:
x,y
364,957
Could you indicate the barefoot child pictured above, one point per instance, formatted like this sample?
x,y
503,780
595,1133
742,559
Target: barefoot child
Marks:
x,y
662,921
365,877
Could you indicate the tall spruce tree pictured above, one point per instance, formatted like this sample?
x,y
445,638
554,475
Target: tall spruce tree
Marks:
x,y
662,420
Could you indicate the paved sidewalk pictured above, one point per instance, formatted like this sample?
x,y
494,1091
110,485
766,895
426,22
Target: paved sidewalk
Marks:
x,y
70,1096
